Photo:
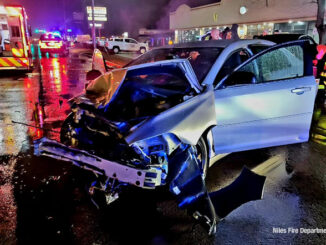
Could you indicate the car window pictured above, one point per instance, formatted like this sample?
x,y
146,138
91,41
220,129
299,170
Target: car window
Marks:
x,y
50,37
201,59
283,63
233,61
15,31
118,40
132,41
256,48
278,64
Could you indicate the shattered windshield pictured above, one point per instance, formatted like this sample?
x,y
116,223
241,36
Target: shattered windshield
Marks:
x,y
201,59
147,92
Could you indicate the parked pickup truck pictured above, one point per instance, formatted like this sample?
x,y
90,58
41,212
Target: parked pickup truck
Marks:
x,y
117,44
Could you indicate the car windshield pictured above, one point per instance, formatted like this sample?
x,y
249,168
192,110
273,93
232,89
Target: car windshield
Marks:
x,y
201,59
50,37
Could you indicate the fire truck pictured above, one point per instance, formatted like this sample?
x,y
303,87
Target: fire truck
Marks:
x,y
15,48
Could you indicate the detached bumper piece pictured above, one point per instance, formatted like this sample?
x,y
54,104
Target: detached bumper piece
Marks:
x,y
144,178
190,189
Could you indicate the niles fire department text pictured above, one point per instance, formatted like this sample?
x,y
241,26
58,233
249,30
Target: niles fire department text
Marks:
x,y
292,230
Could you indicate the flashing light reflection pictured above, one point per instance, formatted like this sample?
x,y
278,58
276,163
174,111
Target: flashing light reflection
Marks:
x,y
17,52
57,75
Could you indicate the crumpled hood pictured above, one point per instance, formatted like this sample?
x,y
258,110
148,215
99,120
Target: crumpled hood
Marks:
x,y
103,88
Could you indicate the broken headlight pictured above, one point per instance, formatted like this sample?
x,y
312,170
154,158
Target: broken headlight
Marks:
x,y
155,151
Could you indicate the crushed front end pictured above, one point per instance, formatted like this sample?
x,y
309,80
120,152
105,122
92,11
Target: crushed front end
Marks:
x,y
140,128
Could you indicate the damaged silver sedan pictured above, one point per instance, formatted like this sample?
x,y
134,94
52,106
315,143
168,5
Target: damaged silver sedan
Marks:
x,y
164,118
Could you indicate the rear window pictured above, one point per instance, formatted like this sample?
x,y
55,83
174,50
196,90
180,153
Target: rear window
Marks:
x,y
15,31
4,27
50,37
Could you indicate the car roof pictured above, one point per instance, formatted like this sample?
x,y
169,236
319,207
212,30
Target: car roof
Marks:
x,y
280,38
218,43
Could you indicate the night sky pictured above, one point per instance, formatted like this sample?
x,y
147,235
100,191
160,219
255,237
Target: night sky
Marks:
x,y
124,15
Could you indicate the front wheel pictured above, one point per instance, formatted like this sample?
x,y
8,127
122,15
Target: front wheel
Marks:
x,y
202,156
142,50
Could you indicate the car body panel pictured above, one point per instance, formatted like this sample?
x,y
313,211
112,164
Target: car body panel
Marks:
x,y
262,115
265,114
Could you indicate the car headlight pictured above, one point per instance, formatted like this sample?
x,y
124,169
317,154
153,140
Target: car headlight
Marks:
x,y
166,143
155,151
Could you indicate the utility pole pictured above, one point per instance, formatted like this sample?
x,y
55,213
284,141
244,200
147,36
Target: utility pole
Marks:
x,y
93,26
64,18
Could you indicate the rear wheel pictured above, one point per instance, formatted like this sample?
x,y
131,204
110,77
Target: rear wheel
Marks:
x,y
202,156
116,50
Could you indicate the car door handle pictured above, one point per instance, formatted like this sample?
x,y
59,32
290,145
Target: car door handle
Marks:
x,y
300,90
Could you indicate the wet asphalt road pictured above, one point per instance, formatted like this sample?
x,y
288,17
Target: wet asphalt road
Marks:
x,y
43,201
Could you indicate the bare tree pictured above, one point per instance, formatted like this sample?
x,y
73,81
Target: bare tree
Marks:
x,y
320,23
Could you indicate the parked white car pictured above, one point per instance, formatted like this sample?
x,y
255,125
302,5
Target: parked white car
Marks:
x,y
117,44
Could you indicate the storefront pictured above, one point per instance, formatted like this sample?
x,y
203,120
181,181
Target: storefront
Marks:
x,y
253,18
156,38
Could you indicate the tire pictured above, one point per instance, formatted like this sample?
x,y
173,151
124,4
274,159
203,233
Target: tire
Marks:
x,y
142,50
116,50
202,156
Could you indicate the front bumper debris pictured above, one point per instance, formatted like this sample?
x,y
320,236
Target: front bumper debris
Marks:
x,y
184,180
144,178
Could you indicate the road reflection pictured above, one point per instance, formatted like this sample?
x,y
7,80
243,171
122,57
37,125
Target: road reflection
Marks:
x,y
47,97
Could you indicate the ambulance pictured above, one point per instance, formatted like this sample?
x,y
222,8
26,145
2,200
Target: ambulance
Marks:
x,y
15,48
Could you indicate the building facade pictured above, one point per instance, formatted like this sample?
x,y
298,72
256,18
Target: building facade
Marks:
x,y
254,17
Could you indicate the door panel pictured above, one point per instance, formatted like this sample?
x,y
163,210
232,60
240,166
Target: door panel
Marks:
x,y
262,115
266,112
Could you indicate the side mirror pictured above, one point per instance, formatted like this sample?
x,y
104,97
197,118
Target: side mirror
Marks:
x,y
240,78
